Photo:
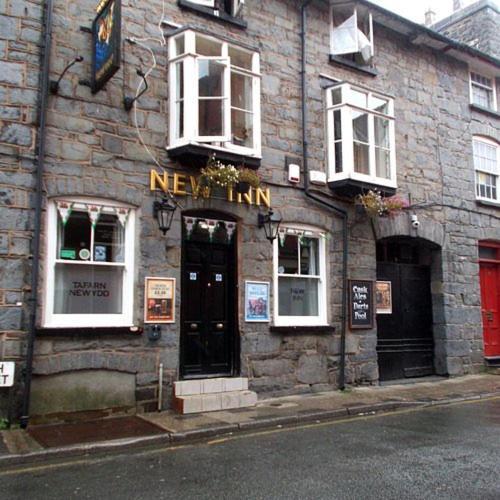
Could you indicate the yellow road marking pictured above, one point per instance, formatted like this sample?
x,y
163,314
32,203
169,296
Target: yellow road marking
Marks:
x,y
213,442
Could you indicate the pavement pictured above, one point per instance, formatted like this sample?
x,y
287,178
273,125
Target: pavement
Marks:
x,y
41,443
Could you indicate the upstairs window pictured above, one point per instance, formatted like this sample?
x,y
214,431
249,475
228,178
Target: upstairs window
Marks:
x,y
483,91
361,135
90,259
214,94
229,7
299,277
351,35
487,167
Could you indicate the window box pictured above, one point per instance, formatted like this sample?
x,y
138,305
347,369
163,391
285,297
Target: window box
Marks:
x,y
299,277
214,99
90,257
361,140
486,154
228,13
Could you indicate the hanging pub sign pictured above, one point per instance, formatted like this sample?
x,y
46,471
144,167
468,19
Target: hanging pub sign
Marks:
x,y
159,300
383,297
360,304
106,43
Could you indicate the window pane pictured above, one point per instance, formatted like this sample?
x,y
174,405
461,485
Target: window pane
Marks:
x,y
88,289
240,58
380,105
485,157
179,80
242,128
75,236
361,158
210,78
383,163
381,132
482,97
288,260
486,185
298,296
179,129
207,46
360,126
338,157
337,125
487,253
241,91
309,256
179,45
210,117
336,96
358,98
109,239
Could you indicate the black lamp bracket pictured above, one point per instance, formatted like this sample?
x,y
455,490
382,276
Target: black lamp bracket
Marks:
x,y
54,84
128,102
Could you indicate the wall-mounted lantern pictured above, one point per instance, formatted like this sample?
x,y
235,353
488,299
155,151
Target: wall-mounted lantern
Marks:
x,y
164,212
271,223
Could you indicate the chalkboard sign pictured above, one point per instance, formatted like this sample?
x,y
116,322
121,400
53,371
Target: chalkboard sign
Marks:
x,y
360,304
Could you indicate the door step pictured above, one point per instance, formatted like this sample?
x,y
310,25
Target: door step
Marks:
x,y
214,394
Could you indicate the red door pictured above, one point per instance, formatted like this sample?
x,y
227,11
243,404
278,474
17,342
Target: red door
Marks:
x,y
490,308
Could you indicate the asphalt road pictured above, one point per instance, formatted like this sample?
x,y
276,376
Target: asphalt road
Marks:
x,y
448,452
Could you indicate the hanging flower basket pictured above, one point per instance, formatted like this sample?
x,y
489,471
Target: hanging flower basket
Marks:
x,y
216,175
375,205
242,187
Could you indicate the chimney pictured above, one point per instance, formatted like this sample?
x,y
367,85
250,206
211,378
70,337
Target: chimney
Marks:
x,y
457,5
430,17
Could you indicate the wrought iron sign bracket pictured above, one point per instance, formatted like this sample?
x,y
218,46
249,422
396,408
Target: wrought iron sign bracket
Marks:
x,y
128,102
54,84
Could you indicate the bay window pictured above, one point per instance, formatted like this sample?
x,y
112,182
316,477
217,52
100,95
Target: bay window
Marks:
x,y
486,153
214,94
90,255
299,277
360,136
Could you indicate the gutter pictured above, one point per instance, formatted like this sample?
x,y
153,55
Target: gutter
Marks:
x,y
317,196
43,96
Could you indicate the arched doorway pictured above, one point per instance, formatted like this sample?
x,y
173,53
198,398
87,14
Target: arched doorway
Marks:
x,y
405,340
209,298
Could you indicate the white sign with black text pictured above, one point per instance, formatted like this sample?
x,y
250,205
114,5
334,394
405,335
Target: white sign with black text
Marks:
x,y
7,373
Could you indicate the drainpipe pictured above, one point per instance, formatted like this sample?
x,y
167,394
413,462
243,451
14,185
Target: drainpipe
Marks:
x,y
40,161
316,195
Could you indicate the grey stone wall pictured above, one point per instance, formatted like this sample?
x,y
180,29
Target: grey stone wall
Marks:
x,y
93,149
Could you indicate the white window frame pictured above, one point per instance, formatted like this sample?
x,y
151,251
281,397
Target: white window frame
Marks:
x,y
335,51
492,89
496,145
190,60
321,318
52,320
347,136
236,5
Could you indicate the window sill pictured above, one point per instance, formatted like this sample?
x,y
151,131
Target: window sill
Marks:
x,y
488,203
197,156
302,329
101,330
486,111
367,70
209,12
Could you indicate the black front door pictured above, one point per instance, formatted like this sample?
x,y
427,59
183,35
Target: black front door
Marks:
x,y
208,306
405,340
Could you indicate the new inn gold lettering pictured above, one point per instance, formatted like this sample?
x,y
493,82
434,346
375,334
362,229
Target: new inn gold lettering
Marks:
x,y
184,185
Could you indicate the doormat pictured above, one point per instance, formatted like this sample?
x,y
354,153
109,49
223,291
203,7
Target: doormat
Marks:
x,y
50,436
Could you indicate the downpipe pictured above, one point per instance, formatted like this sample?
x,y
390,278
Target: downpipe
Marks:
x,y
40,166
317,197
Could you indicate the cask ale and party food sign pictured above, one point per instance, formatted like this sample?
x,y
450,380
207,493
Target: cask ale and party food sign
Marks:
x,y
360,304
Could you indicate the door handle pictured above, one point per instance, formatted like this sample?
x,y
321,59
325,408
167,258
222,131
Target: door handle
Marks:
x,y
219,326
193,326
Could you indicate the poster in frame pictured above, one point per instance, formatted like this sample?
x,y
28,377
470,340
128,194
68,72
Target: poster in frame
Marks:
x,y
257,301
159,300
383,297
106,43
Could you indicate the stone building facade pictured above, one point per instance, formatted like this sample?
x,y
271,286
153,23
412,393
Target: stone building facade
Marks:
x,y
98,154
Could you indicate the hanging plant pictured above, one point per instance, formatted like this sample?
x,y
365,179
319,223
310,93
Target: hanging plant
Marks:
x,y
247,178
216,174
376,205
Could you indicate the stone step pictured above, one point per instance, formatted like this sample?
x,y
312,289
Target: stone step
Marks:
x,y
200,403
210,386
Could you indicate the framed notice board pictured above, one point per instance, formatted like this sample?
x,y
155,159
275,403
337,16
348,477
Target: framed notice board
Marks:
x,y
361,310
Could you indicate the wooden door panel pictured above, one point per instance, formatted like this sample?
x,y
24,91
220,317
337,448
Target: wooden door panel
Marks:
x,y
490,305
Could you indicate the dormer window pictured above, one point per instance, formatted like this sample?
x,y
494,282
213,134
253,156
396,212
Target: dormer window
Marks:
x,y
361,137
351,35
225,10
214,95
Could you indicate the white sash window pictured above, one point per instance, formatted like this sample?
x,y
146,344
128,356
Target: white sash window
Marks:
x,y
487,166
90,256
